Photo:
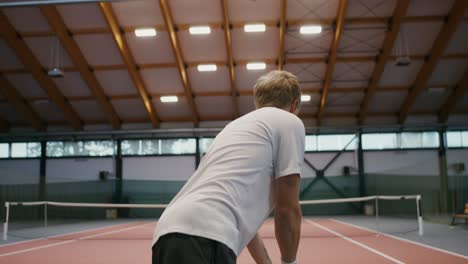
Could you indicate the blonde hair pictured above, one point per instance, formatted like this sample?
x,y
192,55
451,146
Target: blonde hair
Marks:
x,y
278,89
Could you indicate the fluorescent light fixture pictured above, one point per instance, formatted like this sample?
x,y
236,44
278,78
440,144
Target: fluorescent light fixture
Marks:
x,y
256,66
200,30
310,29
207,67
254,28
145,32
169,99
305,98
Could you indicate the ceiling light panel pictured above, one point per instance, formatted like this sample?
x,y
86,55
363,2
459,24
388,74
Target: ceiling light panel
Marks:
x,y
310,29
305,98
169,99
254,27
145,32
200,30
256,66
207,67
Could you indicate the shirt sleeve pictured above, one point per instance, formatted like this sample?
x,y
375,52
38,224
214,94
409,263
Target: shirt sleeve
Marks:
x,y
290,149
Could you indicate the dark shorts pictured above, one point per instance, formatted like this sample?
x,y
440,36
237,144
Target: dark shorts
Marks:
x,y
176,248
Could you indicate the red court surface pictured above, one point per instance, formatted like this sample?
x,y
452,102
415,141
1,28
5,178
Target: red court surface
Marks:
x,y
323,241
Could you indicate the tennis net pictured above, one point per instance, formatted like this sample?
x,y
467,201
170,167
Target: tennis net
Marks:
x,y
386,214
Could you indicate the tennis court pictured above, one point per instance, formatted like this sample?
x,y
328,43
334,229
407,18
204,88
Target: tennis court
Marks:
x,y
324,240
380,237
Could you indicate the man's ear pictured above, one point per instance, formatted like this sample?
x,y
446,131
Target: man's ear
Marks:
x,y
294,107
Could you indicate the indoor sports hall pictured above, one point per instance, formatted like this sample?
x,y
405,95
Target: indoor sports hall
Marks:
x,y
108,107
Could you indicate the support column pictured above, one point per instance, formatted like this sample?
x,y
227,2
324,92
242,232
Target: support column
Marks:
x,y
118,173
197,153
443,194
360,156
42,172
42,178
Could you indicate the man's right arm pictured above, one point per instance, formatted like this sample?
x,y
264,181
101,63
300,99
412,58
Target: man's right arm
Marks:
x,y
288,216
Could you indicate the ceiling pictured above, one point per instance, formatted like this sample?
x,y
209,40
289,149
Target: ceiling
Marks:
x,y
114,80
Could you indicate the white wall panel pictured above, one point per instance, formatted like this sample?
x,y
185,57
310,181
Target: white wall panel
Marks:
x,y
420,162
320,160
80,169
19,172
158,168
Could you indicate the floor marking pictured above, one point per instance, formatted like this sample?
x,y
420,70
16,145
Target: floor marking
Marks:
x,y
74,240
403,239
64,234
356,242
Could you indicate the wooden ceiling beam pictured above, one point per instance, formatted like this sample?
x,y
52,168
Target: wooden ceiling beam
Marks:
x,y
240,24
16,99
331,60
58,25
390,38
282,33
454,98
193,64
454,19
228,41
172,119
33,65
244,92
170,27
311,60
367,20
119,37
270,61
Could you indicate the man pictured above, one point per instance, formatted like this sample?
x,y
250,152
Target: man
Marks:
x,y
252,167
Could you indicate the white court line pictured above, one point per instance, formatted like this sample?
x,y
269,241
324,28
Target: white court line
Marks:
x,y
64,234
404,239
356,242
71,241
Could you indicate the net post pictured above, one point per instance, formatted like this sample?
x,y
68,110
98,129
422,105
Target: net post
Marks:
x,y
45,214
5,224
420,219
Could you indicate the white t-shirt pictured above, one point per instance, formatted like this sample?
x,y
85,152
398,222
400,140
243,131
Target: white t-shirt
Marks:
x,y
230,194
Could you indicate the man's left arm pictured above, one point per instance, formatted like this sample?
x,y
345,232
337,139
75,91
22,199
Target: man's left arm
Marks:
x,y
258,251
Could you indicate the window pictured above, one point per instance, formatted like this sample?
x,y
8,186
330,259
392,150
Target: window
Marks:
x,y
4,150
178,146
205,144
159,146
140,147
454,139
34,149
98,148
336,142
73,148
430,140
25,150
457,139
464,136
410,140
54,149
311,143
19,150
80,148
379,141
